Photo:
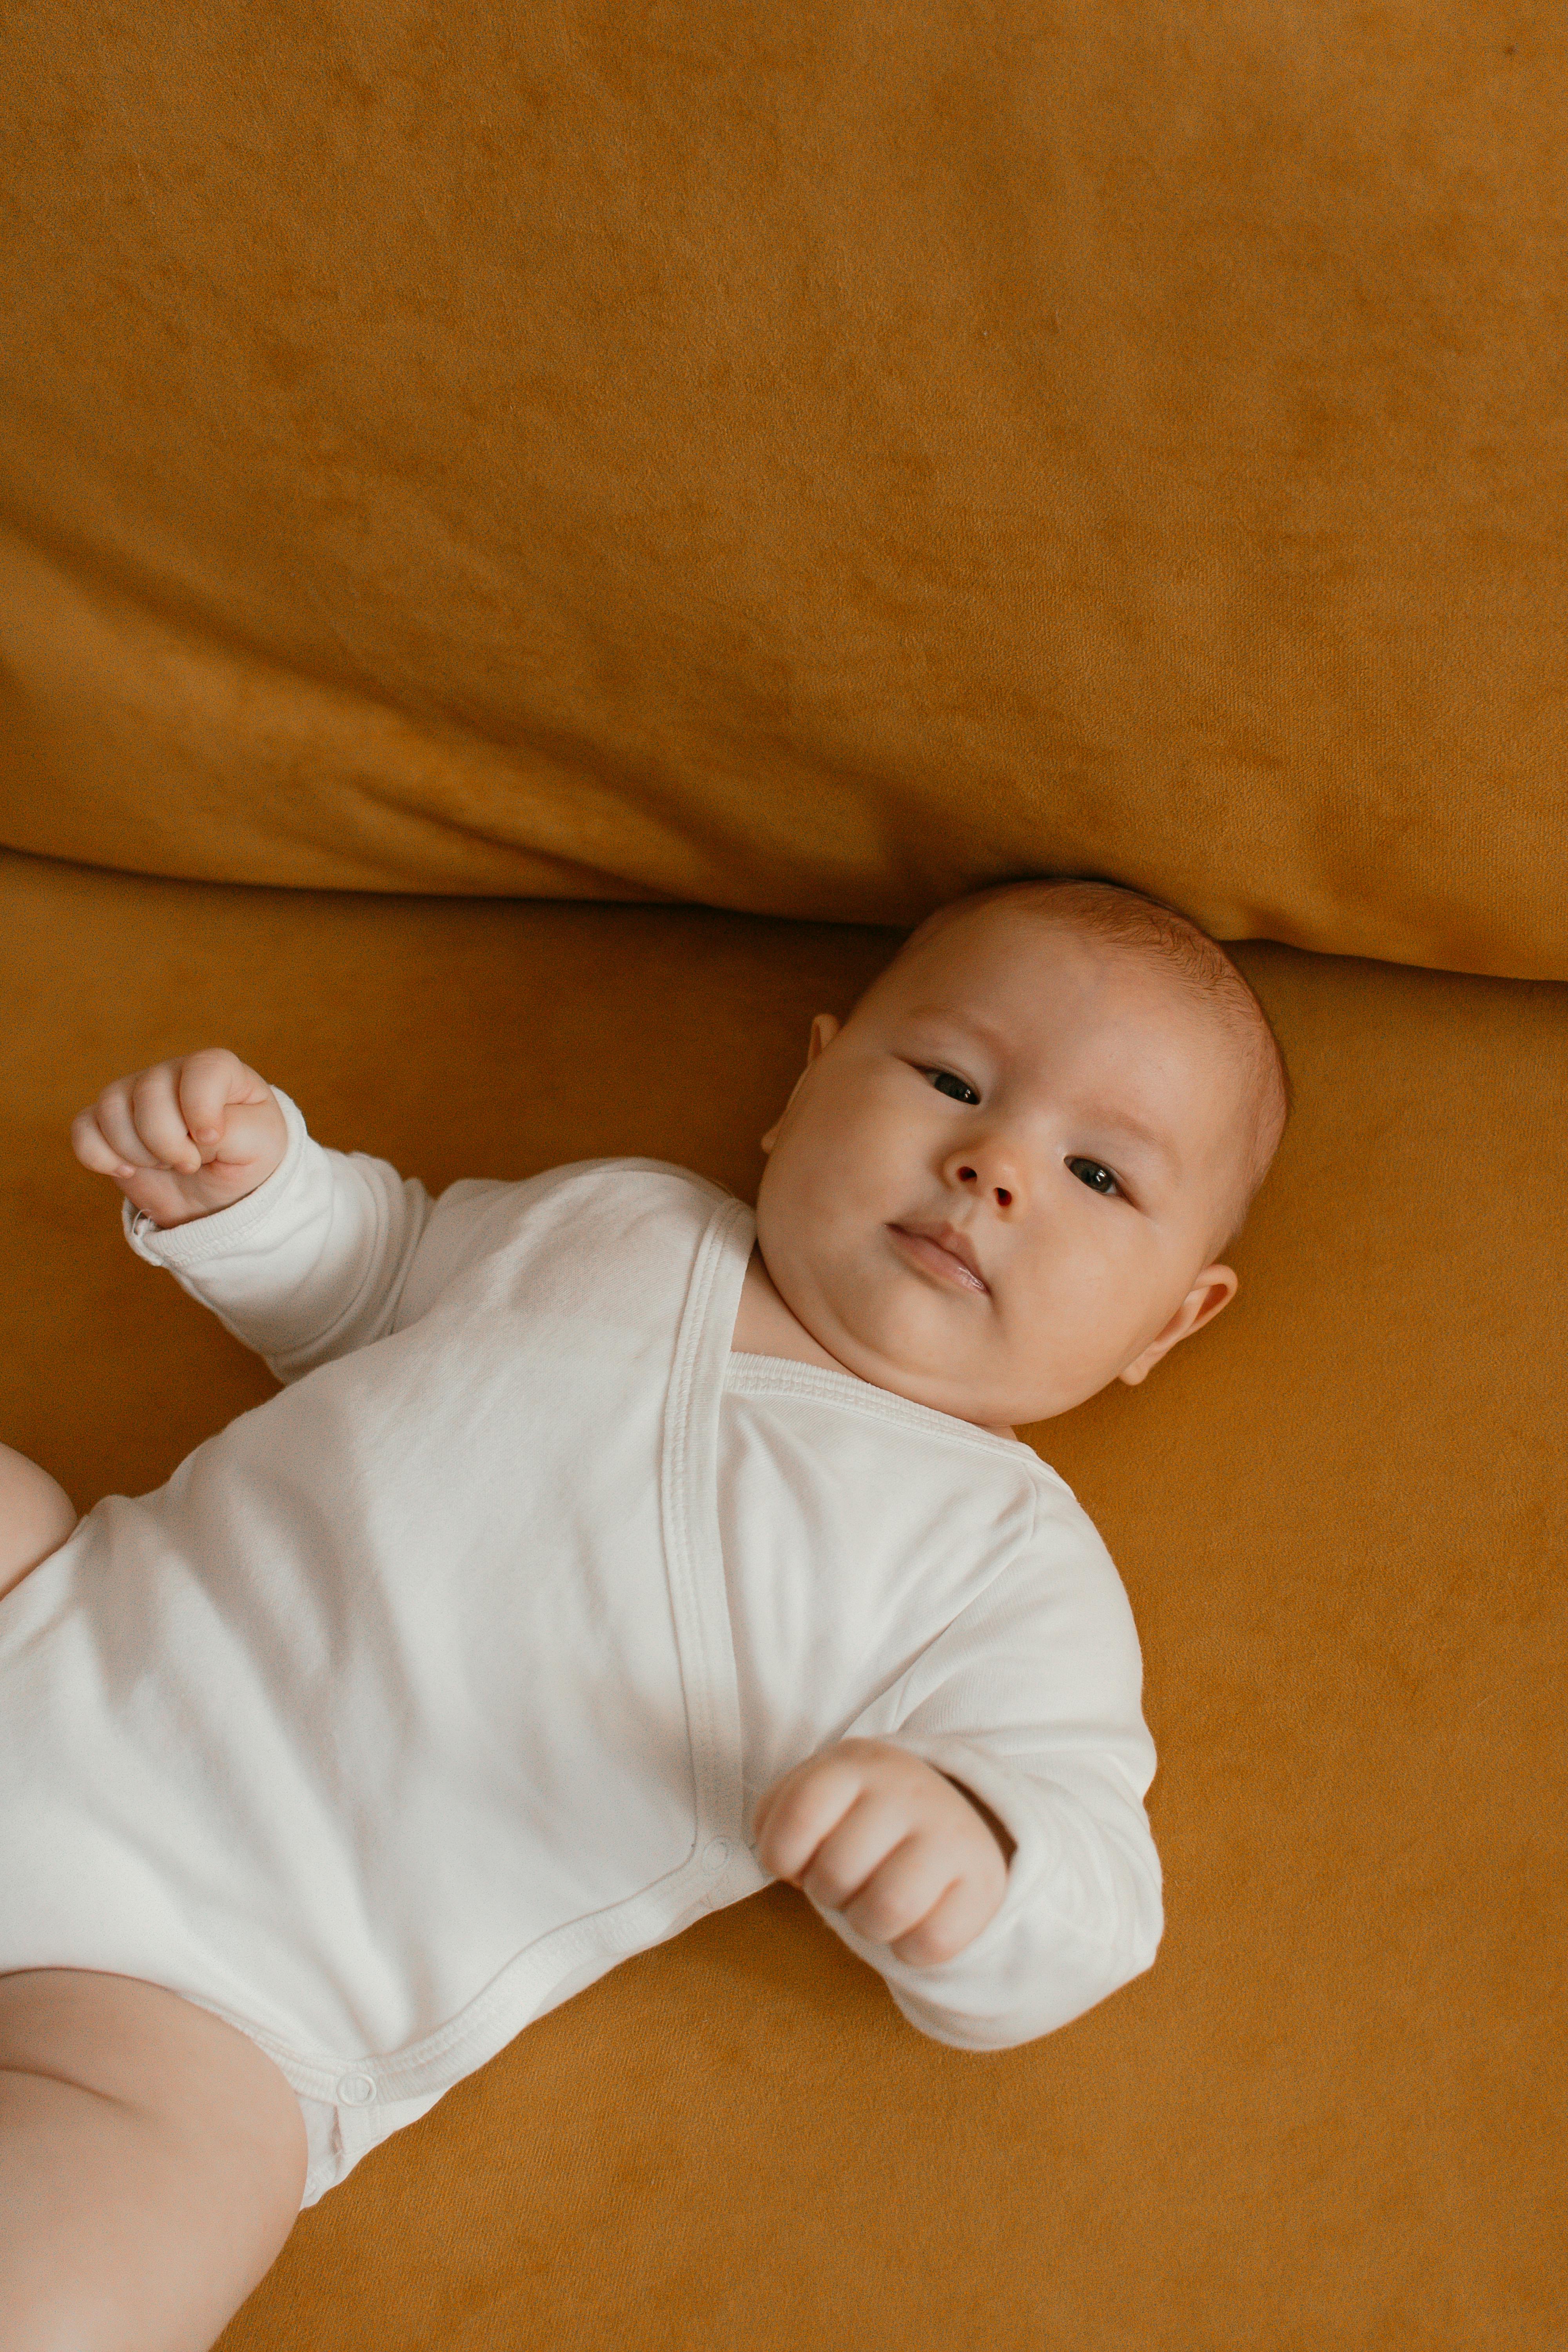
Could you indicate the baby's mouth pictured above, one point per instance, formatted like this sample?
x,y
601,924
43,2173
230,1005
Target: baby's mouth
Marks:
x,y
941,1257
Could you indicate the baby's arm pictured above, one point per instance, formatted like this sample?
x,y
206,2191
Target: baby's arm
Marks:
x,y
1030,1704
303,1254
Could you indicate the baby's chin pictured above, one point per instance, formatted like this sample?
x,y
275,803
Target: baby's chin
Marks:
x,y
901,1344
933,1361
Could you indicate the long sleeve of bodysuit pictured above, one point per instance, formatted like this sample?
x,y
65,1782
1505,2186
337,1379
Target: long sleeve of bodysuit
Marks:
x,y
1030,1699
317,1261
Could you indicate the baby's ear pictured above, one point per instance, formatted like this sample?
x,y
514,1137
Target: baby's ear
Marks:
x,y
824,1030
1214,1289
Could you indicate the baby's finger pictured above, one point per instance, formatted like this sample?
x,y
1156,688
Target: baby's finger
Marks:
x,y
94,1150
113,1115
159,1121
208,1082
951,1923
799,1812
856,1850
908,1885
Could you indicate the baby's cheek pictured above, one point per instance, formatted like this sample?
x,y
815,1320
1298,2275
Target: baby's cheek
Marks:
x,y
1069,1332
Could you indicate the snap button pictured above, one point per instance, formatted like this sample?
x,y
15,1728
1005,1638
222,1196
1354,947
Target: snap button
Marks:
x,y
716,1853
356,2091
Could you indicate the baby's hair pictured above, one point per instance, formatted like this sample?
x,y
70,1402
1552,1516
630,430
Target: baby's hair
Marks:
x,y
1130,918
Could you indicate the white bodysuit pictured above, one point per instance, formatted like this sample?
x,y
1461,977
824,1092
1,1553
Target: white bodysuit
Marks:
x,y
450,1676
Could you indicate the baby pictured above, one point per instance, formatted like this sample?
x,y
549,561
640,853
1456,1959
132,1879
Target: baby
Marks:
x,y
606,1553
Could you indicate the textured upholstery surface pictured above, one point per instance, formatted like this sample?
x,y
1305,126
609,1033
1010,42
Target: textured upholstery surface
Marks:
x,y
803,457
1331,2116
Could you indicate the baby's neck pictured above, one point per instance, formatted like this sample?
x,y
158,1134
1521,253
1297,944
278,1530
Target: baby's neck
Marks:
x,y
766,1327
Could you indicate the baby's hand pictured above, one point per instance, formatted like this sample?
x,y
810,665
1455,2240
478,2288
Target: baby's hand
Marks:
x,y
868,1830
185,1137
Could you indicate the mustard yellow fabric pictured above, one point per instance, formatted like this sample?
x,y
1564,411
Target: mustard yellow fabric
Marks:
x,y
1331,2116
805,458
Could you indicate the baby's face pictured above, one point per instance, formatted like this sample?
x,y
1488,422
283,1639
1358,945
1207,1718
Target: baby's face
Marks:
x,y
997,1187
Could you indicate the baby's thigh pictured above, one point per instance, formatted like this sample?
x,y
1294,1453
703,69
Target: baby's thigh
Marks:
x,y
152,2161
36,1516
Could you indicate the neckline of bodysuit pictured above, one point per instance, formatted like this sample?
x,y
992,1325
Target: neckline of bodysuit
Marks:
x,y
751,1375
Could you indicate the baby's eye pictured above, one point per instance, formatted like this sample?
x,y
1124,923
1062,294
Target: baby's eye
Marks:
x,y
946,1084
1098,1177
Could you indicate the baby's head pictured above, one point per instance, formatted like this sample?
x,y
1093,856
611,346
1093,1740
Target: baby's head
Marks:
x,y
1007,1178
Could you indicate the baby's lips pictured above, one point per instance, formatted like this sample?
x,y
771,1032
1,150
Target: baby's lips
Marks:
x,y
942,1259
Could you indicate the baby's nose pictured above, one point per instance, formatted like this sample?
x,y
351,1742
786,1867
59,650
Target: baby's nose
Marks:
x,y
972,1176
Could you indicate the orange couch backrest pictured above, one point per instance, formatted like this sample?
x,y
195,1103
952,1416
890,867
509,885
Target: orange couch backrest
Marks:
x,y
805,458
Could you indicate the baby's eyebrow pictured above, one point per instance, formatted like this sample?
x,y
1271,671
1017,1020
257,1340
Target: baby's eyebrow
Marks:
x,y
1126,1123
945,1016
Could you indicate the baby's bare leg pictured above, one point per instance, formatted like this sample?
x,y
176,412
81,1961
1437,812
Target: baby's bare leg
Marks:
x,y
152,2162
36,1516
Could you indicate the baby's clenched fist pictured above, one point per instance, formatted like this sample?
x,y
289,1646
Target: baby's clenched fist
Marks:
x,y
868,1830
186,1138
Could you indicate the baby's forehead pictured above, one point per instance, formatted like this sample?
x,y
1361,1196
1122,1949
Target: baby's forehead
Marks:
x,y
1022,978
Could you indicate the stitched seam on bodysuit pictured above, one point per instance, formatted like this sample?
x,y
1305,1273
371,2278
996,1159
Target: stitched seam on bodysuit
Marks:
x,y
684,1542
764,1376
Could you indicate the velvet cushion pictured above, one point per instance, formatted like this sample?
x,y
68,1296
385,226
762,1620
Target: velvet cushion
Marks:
x,y
797,457
1329,2116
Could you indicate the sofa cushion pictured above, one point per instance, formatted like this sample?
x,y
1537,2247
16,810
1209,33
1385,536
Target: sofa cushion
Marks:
x,y
794,459
1325,2117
